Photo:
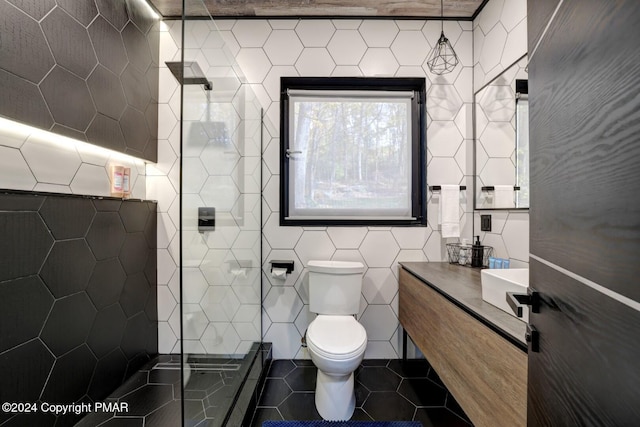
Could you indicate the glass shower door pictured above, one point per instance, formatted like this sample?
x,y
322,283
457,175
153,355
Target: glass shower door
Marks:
x,y
220,248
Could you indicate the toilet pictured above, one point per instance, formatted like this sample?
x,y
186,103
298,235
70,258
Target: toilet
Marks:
x,y
335,340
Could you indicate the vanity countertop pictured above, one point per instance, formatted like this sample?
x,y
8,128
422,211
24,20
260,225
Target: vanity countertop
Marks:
x,y
461,286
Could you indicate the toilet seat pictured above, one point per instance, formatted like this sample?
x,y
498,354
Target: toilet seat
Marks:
x,y
336,337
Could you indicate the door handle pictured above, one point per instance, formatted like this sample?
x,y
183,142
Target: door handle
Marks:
x,y
518,301
533,339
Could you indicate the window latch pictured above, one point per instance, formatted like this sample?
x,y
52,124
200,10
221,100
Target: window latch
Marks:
x,y
289,152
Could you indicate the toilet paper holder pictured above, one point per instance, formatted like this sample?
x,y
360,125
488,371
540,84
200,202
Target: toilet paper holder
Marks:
x,y
288,265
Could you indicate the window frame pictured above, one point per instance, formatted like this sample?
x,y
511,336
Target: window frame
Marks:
x,y
418,144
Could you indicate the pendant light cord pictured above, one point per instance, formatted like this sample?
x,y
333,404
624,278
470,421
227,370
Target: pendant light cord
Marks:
x,y
442,16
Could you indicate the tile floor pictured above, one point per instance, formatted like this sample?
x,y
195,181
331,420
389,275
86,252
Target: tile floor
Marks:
x,y
386,390
153,395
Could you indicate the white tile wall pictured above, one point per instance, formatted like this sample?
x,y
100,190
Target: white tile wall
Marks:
x,y
264,50
321,47
35,160
500,39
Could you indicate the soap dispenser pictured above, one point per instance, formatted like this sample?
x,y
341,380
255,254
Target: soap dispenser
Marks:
x,y
477,253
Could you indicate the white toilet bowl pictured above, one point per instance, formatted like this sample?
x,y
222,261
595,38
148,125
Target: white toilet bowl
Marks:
x,y
336,345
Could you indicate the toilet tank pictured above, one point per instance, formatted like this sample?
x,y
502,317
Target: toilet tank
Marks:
x,y
334,287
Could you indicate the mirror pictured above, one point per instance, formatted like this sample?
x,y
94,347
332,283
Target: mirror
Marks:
x,y
502,141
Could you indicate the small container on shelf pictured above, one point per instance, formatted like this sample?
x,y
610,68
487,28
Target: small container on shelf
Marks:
x,y
453,253
461,254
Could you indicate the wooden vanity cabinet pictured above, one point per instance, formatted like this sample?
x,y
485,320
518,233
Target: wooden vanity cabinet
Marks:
x,y
486,374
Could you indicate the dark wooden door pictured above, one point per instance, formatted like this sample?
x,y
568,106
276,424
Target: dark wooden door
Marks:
x,y
584,95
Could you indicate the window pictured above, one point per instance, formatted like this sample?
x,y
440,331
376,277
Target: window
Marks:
x,y
352,151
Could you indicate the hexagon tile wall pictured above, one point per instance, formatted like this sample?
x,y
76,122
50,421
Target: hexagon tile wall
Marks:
x,y
78,312
87,69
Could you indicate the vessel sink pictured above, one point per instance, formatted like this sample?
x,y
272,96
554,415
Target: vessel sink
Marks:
x,y
497,282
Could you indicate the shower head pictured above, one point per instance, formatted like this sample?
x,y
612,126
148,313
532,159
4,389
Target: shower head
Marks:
x,y
189,73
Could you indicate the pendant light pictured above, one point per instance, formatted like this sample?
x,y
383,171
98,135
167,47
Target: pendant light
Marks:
x,y
442,58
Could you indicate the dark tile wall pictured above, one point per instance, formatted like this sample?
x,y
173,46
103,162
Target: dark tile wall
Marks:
x,y
87,69
78,310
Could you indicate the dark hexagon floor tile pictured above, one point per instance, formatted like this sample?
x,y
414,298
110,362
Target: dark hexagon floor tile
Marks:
x,y
275,390
439,417
193,412
375,362
61,89
265,414
433,376
378,378
165,376
18,325
106,235
168,415
70,377
22,101
299,406
360,415
147,399
106,283
134,253
389,406
303,378
362,393
134,382
107,92
203,381
68,267
422,392
28,366
59,28
454,407
411,368
108,375
107,330
69,323
134,216
24,245
121,422
67,217
280,368
22,34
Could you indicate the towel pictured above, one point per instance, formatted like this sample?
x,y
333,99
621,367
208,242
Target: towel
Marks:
x,y
503,197
450,211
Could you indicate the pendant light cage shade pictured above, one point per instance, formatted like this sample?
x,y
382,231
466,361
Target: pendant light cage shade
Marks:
x,y
442,58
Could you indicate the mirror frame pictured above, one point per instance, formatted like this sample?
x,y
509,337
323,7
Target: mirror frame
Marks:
x,y
476,190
